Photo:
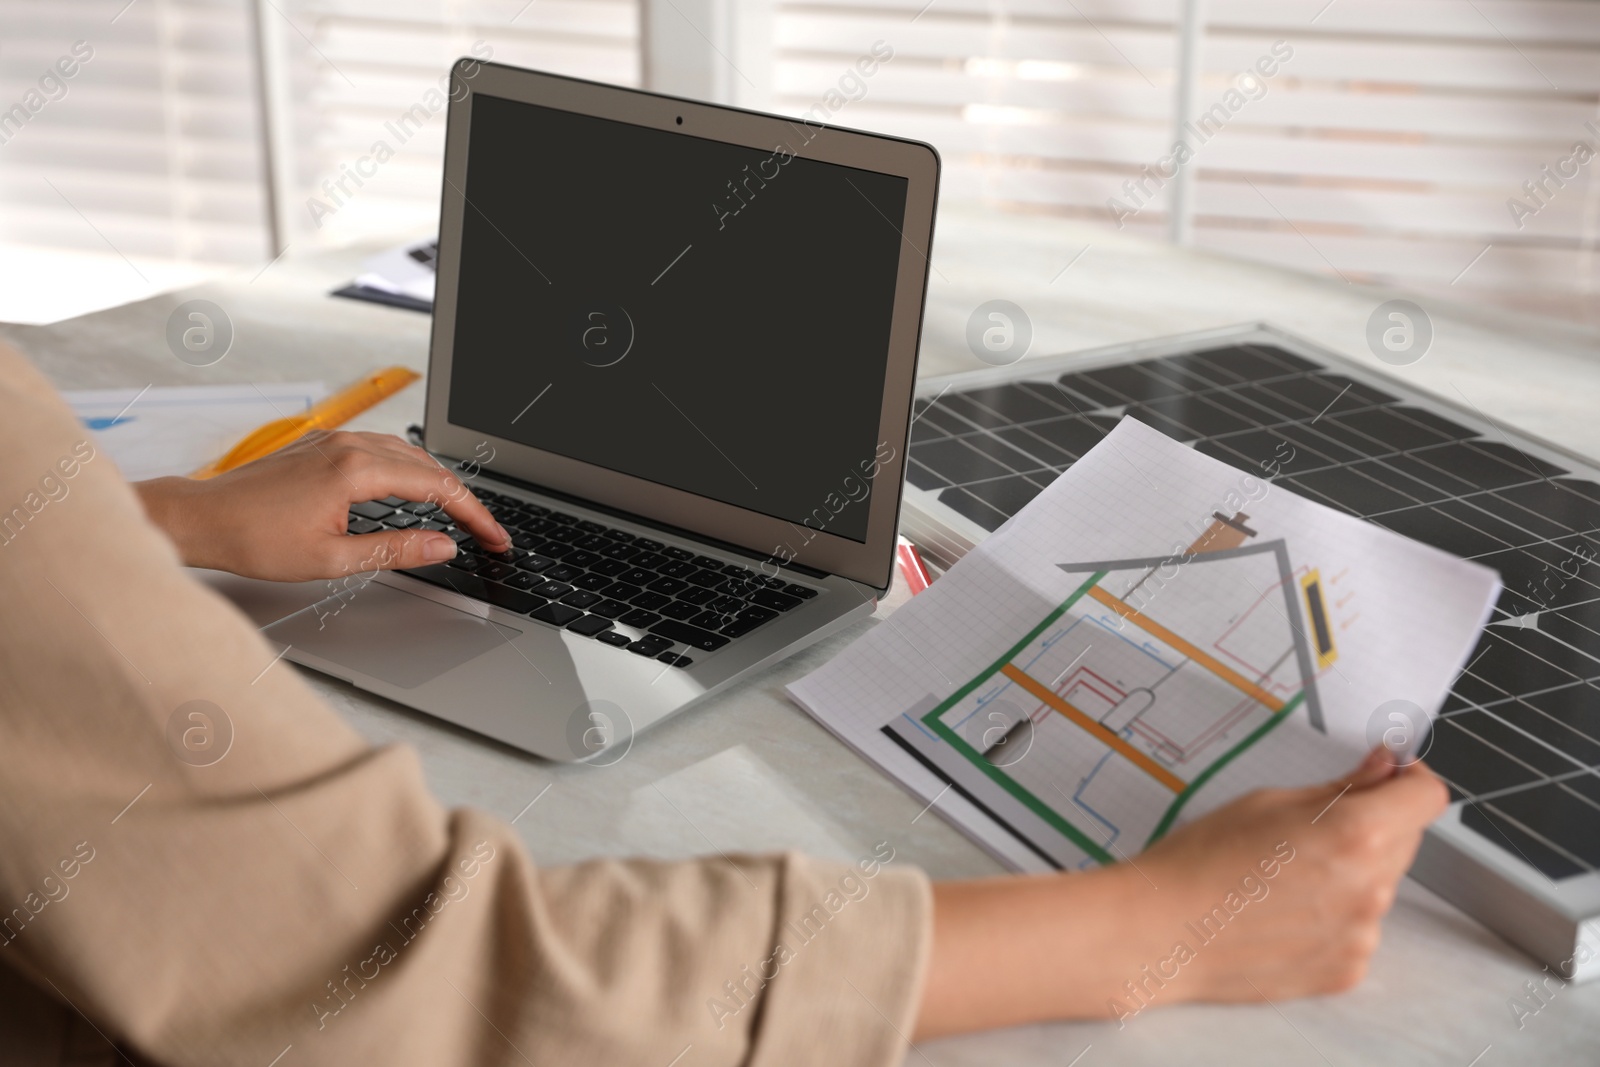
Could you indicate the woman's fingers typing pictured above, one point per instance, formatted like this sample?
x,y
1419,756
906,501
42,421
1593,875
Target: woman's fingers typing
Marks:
x,y
379,470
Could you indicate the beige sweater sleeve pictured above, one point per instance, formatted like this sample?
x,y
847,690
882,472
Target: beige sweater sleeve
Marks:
x,y
306,892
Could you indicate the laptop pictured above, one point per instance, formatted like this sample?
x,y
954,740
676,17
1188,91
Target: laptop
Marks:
x,y
673,351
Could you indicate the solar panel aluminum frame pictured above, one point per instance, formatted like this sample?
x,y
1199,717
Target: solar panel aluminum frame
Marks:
x,y
1547,918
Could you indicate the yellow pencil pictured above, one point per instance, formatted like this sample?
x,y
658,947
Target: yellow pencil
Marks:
x,y
326,414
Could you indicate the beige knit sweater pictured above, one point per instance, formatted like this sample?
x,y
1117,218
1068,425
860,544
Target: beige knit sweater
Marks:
x,y
305,896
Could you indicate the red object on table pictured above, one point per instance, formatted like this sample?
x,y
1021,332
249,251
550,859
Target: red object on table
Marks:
x,y
912,569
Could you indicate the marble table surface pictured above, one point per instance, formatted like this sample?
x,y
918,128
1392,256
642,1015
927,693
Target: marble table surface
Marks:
x,y
748,771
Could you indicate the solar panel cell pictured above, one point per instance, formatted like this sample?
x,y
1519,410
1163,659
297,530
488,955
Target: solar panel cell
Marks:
x,y
1048,455
1130,382
964,503
1550,730
1556,502
1439,424
1083,395
1249,363
1434,527
1351,488
1476,511
1514,669
952,459
1390,425
1013,403
1007,495
1471,764
1201,366
997,450
1587,785
1514,744
1479,468
1074,435
975,413
1256,407
1157,421
1186,379
924,478
1559,816
1497,828
1306,436
1577,706
1307,394
1198,415
1446,484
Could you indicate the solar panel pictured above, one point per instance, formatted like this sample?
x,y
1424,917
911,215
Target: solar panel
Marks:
x,y
1518,738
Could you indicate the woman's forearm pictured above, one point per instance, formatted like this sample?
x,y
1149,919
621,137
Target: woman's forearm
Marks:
x,y
1016,950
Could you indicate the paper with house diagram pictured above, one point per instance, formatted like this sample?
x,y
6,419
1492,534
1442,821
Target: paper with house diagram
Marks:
x,y
1154,635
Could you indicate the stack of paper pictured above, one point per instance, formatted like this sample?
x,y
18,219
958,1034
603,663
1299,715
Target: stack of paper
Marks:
x,y
403,277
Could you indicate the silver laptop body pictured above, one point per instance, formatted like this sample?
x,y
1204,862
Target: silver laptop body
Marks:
x,y
791,484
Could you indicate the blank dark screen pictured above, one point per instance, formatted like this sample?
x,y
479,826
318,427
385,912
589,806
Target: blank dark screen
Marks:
x,y
703,315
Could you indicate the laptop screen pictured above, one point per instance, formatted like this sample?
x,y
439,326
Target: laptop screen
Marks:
x,y
702,315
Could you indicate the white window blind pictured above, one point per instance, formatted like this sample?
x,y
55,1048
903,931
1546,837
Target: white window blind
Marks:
x,y
142,160
153,139
146,168
366,81
1384,149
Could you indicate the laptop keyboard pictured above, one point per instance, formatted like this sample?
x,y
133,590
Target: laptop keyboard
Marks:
x,y
646,596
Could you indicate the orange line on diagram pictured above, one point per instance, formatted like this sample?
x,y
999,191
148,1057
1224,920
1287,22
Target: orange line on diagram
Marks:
x,y
1155,629
1054,700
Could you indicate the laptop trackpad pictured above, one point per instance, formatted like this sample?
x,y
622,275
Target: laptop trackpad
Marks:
x,y
380,631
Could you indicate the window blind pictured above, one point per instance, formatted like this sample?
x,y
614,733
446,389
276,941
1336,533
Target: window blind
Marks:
x,y
1433,145
366,77
149,149
1385,146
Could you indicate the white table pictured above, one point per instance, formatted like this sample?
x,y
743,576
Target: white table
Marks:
x,y
750,771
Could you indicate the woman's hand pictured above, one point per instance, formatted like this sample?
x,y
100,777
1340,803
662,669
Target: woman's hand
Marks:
x,y
283,517
1313,871
1278,894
